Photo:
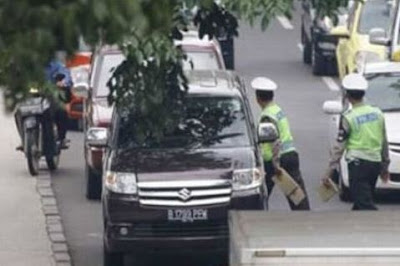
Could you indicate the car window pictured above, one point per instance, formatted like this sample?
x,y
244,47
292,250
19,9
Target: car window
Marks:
x,y
384,91
375,14
108,63
206,60
217,122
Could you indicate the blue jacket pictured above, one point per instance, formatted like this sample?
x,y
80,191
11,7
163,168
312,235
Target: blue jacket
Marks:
x,y
55,68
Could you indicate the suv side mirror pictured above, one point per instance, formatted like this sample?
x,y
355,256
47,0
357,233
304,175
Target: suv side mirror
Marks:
x,y
341,32
81,90
377,36
267,133
97,137
333,107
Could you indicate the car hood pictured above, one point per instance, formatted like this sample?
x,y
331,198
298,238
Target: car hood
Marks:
x,y
392,120
164,165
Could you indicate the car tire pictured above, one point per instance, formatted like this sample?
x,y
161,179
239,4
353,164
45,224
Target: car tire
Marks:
x,y
112,258
93,184
307,51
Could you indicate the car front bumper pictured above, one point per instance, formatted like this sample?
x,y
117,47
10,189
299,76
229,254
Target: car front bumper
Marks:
x,y
130,227
394,170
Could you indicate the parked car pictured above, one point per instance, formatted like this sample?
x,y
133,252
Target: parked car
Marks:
x,y
319,43
202,54
383,92
354,48
97,113
175,192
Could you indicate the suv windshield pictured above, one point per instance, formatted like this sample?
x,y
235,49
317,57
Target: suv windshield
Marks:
x,y
212,122
375,14
107,64
384,91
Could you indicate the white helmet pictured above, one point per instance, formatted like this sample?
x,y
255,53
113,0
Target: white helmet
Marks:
x,y
355,82
263,84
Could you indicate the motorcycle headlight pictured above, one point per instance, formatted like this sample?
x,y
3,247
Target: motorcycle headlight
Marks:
x,y
124,183
364,57
244,179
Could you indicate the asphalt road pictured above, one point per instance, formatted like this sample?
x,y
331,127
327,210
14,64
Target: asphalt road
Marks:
x,y
274,53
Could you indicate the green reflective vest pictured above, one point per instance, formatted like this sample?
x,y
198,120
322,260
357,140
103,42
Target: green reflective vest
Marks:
x,y
274,112
366,133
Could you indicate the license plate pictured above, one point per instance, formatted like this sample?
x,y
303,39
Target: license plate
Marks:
x,y
187,215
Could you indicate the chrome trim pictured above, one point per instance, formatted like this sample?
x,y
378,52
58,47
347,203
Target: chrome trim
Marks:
x,y
247,192
177,203
184,184
193,193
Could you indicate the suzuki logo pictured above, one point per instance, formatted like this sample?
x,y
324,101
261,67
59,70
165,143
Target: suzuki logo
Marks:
x,y
184,194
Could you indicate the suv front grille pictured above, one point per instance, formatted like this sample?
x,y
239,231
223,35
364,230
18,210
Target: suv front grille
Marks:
x,y
185,193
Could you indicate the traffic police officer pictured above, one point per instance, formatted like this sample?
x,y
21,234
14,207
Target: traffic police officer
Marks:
x,y
286,153
362,135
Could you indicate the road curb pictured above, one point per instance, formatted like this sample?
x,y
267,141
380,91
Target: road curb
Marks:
x,y
54,226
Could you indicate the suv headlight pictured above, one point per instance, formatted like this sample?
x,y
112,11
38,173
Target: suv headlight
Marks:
x,y
363,57
124,183
244,179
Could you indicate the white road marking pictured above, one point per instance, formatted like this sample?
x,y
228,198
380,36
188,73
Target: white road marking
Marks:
x,y
300,46
331,83
285,22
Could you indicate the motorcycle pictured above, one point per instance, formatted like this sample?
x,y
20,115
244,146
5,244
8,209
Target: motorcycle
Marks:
x,y
38,132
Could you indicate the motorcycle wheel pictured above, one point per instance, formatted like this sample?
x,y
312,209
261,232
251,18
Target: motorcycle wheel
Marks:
x,y
32,152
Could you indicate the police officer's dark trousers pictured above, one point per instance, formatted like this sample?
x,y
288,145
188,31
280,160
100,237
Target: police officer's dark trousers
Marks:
x,y
363,176
290,162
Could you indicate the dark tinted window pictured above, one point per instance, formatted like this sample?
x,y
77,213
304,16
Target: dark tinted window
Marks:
x,y
216,122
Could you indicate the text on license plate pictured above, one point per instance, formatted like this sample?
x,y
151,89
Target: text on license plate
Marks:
x,y
187,215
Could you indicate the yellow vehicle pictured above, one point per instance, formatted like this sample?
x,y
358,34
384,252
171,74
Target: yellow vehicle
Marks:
x,y
354,48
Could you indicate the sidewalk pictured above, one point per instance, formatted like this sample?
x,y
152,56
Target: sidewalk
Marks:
x,y
23,237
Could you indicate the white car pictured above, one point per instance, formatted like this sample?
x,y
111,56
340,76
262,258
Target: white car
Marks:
x,y
383,92
203,54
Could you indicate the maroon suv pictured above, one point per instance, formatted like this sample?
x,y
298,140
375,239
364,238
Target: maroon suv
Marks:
x,y
98,114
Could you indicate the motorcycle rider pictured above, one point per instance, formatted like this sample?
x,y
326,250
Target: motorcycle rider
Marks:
x,y
58,74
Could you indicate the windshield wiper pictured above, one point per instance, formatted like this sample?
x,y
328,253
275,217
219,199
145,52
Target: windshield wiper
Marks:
x,y
213,139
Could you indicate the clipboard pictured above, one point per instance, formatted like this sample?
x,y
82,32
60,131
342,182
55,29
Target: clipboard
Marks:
x,y
289,186
327,192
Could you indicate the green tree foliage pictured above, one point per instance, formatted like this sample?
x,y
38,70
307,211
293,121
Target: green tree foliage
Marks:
x,y
32,30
